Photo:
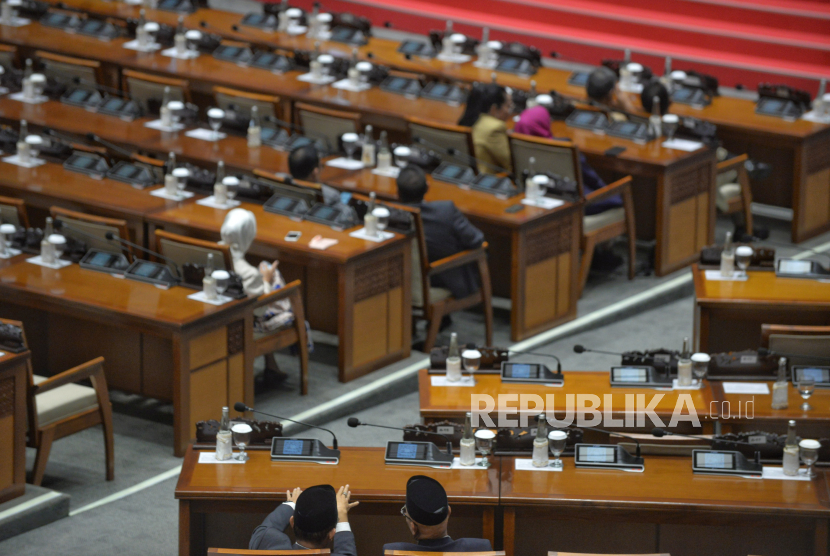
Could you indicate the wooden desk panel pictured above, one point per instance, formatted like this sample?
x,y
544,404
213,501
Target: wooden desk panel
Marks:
x,y
666,508
357,289
729,315
13,384
211,496
156,342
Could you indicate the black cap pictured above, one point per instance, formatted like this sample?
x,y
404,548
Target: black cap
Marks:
x,y
316,509
426,500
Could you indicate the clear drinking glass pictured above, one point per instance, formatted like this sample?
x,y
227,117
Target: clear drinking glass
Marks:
x,y
484,443
806,387
350,143
382,214
743,254
58,244
38,84
700,366
365,68
471,359
175,108
241,436
223,278
809,454
7,230
192,37
181,175
35,143
231,184
402,154
215,117
557,441
326,62
670,124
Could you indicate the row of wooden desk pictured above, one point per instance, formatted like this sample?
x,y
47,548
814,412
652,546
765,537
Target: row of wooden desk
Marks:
x,y
799,151
666,508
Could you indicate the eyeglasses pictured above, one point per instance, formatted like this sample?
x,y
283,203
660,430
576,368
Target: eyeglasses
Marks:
x,y
403,512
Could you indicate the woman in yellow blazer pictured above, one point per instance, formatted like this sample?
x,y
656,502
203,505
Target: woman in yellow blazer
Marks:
x,y
488,106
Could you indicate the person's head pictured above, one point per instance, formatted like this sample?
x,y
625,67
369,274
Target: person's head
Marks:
x,y
304,163
315,517
412,184
601,83
427,511
655,89
534,121
486,99
239,230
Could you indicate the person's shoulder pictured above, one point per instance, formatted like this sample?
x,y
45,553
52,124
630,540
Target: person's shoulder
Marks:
x,y
440,207
401,546
474,545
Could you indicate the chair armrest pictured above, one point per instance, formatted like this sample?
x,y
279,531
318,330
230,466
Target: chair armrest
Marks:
x,y
459,259
94,368
732,163
277,295
616,188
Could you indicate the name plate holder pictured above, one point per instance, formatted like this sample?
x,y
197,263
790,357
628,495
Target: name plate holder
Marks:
x,y
303,449
423,454
724,462
606,456
639,376
530,373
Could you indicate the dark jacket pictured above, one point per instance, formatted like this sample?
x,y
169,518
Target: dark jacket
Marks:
x,y
442,545
271,535
449,232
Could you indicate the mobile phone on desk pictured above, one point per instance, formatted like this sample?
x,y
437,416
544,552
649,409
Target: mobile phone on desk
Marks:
x,y
615,151
293,236
514,208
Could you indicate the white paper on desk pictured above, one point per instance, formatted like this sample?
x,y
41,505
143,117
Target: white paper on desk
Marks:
x,y
345,163
34,100
3,90
391,172
745,388
716,276
10,253
442,381
174,53
156,124
210,457
379,238
60,263
347,85
682,145
200,296
811,116
16,22
133,45
311,78
33,162
2,353
211,202
456,464
322,243
179,196
526,464
543,202
692,386
205,134
454,58
778,474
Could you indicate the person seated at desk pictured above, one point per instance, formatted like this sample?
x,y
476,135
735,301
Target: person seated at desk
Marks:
x,y
319,518
304,164
427,514
446,229
488,106
602,89
536,122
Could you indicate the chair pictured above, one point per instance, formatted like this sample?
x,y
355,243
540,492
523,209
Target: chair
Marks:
x,y
420,553
13,211
434,303
57,407
325,125
182,250
446,136
733,194
267,105
556,157
615,554
8,56
64,69
266,343
806,340
243,552
94,227
608,224
146,89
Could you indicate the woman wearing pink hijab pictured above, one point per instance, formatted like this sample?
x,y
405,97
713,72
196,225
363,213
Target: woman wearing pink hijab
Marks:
x,y
536,122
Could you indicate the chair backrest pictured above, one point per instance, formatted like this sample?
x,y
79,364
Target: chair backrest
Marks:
x,y
145,88
592,554
64,68
801,340
8,56
95,229
13,211
557,157
423,553
267,105
183,249
322,124
242,552
309,192
445,136
420,258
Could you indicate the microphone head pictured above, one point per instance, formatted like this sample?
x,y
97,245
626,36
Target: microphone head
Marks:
x,y
235,27
763,352
579,348
203,24
91,137
353,422
408,57
240,407
659,433
109,235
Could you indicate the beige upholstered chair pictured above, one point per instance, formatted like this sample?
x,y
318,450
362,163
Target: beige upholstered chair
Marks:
x,y
733,193
447,137
96,226
183,249
267,105
419,553
64,68
322,124
8,56
13,211
144,88
556,157
801,340
592,554
243,552
58,407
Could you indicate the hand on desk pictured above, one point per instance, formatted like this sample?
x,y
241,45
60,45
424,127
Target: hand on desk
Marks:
x,y
292,495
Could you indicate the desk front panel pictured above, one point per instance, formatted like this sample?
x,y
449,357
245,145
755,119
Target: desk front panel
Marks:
x,y
13,384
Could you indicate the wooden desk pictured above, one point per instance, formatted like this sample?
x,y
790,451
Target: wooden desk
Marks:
x,y
156,343
533,255
357,289
665,509
13,384
441,402
220,505
729,315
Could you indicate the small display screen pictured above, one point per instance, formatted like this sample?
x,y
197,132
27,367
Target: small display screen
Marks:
x,y
597,454
451,171
285,203
510,63
343,34
790,266
102,259
488,180
586,118
114,104
773,106
266,58
817,374
406,450
398,83
254,19
683,93
56,19
228,51
627,128
629,374
84,162
324,212
412,47
579,78
269,133
292,447
169,4
439,90
146,270
79,95
715,460
92,26
128,171
522,370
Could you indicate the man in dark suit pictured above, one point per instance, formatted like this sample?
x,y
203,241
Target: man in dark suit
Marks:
x,y
447,232
427,514
319,517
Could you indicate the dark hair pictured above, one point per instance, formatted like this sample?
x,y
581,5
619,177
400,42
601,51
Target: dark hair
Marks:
x,y
600,83
412,184
316,540
479,101
302,161
655,89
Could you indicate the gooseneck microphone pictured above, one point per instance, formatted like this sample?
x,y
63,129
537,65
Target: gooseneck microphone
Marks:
x,y
283,123
582,349
354,422
92,138
112,237
537,354
659,433
242,408
763,352
631,438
